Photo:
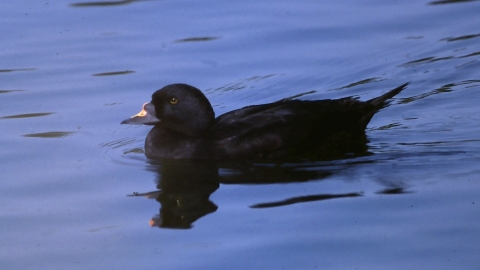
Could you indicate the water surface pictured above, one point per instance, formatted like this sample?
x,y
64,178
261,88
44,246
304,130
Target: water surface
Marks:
x,y
77,191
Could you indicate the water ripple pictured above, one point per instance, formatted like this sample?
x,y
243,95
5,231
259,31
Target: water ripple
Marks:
x,y
103,3
10,91
26,115
365,81
425,60
303,199
113,73
50,135
196,39
17,69
119,143
443,89
442,2
239,85
460,38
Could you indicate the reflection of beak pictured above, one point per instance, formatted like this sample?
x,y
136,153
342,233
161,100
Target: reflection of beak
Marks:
x,y
145,117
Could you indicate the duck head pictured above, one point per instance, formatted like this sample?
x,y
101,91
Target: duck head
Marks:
x,y
178,107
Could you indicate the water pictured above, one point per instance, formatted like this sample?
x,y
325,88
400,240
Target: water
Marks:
x,y
71,71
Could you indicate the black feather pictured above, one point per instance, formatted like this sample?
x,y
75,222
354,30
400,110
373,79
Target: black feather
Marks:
x,y
287,129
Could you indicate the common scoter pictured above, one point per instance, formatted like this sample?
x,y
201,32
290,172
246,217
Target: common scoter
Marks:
x,y
185,127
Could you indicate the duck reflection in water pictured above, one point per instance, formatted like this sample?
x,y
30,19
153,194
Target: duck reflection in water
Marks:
x,y
186,133
184,188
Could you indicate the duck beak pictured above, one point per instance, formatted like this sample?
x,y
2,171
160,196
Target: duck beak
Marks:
x,y
145,117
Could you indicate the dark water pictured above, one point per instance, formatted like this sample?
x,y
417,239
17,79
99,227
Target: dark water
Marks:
x,y
74,183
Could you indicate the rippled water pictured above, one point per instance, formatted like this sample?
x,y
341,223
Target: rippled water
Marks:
x,y
77,191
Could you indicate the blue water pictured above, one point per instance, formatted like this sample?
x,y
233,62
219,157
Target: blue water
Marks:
x,y
78,193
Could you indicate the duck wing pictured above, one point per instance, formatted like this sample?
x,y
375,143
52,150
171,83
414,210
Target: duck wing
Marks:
x,y
293,127
283,128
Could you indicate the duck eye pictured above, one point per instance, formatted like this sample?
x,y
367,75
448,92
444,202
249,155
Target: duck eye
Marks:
x,y
173,100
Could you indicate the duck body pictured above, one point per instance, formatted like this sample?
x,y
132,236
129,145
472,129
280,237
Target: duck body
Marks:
x,y
185,127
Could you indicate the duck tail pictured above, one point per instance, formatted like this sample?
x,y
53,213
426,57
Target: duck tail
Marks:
x,y
383,101
378,103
